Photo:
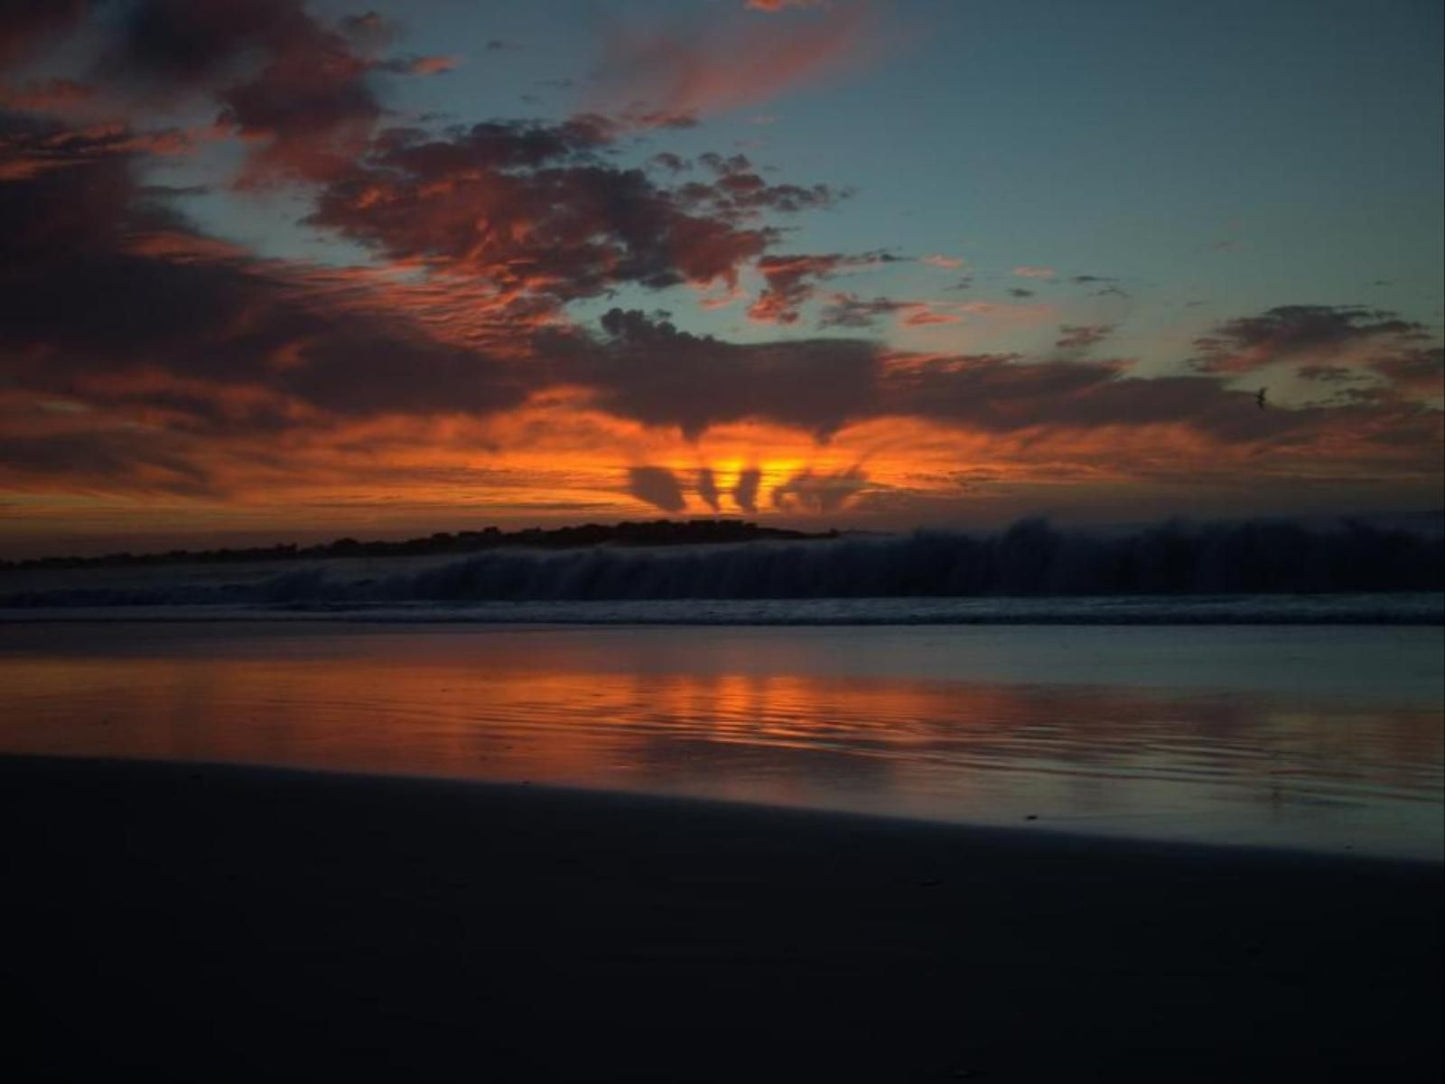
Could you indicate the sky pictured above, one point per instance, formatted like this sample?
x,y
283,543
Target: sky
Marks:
x,y
291,269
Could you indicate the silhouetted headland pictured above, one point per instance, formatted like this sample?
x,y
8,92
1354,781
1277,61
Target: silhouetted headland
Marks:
x,y
659,532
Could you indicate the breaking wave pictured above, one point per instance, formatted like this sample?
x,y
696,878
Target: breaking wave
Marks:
x,y
1032,558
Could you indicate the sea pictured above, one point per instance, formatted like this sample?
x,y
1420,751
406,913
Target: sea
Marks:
x,y
1282,719
1305,736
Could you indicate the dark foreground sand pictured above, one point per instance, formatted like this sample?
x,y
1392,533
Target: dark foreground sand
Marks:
x,y
217,923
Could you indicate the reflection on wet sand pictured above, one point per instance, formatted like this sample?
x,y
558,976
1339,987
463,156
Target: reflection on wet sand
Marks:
x,y
1226,765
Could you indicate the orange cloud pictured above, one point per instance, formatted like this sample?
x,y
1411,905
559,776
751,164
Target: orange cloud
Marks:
x,y
421,65
922,315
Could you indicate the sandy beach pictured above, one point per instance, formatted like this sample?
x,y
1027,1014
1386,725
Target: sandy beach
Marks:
x,y
180,922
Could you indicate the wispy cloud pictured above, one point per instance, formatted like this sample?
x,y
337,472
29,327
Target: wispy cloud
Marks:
x,y
660,75
1079,337
782,5
792,281
1293,332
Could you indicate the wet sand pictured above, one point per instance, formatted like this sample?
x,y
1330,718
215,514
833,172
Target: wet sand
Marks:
x,y
215,923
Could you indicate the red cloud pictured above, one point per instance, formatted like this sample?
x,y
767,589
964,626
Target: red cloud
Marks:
x,y
431,65
923,316
46,95
791,281
779,5
788,285
536,210
657,76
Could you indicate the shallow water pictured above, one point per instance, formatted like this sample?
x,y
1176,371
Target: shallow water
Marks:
x,y
1326,738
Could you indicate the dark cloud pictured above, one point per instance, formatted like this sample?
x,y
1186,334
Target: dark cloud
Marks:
x,y
26,26
131,460
1002,393
657,486
988,391
851,311
32,147
1080,337
707,487
738,191
104,292
1418,371
299,90
1329,374
60,188
819,493
673,163
1294,331
848,310
745,489
646,369
182,44
369,29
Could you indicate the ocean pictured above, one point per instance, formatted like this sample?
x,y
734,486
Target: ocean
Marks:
x,y
1279,721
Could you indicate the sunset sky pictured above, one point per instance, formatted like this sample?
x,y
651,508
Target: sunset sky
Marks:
x,y
287,269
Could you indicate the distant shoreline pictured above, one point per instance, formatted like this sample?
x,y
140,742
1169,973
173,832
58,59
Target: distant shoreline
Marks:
x,y
644,533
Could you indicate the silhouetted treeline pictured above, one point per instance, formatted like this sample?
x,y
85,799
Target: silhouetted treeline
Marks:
x,y
1030,558
652,533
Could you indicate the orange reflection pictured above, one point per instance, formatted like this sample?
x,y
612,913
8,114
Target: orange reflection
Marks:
x,y
523,706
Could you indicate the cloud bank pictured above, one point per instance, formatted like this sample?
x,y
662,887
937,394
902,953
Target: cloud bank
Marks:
x,y
498,323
